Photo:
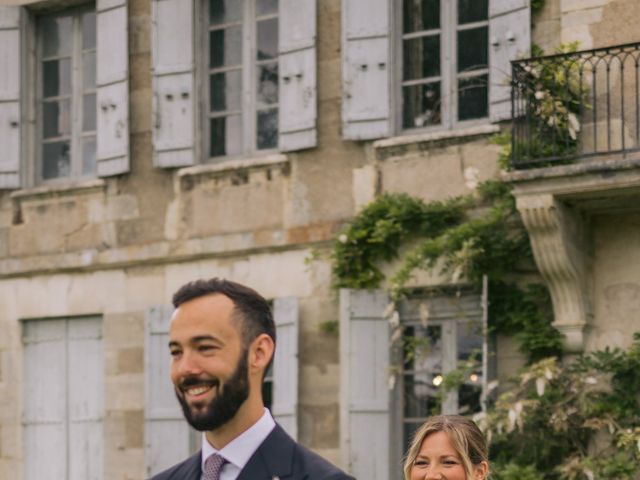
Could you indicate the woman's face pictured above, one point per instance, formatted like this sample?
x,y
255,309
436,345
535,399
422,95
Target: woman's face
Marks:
x,y
438,460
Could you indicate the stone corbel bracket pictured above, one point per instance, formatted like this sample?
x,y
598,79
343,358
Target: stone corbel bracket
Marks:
x,y
559,240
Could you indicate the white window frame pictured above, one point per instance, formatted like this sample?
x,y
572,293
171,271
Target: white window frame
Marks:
x,y
249,65
77,92
448,69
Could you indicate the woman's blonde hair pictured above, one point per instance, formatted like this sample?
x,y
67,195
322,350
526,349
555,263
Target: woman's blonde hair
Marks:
x,y
464,435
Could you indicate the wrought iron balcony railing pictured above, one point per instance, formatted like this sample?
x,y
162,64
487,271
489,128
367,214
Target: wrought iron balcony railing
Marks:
x,y
574,105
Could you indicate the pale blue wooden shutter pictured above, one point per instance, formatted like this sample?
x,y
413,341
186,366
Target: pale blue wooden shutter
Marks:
x,y
297,75
167,434
365,395
10,91
509,39
86,399
112,79
45,400
366,110
172,50
64,399
285,364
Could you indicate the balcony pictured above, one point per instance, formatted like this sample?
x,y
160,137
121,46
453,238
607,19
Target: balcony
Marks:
x,y
575,106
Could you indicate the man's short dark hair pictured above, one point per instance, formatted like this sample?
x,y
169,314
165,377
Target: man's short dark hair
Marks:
x,y
250,308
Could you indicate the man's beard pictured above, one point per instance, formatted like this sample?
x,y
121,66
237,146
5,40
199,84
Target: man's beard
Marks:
x,y
224,405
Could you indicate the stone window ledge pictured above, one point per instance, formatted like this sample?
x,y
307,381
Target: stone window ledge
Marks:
x,y
232,166
68,189
405,143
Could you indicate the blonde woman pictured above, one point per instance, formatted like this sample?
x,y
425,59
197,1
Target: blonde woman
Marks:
x,y
447,447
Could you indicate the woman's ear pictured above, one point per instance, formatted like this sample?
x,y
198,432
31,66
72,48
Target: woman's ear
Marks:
x,y
480,471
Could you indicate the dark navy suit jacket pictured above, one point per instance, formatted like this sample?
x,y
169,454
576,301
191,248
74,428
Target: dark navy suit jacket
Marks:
x,y
279,456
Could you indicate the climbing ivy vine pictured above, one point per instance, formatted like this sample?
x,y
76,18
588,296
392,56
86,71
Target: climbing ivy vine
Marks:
x,y
468,236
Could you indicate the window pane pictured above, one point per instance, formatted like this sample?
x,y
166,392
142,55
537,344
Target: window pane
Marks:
x,y
55,34
267,7
89,112
226,135
225,91
225,11
267,84
56,118
421,105
470,340
420,15
421,57
422,381
267,39
473,98
225,47
89,155
56,77
89,30
473,51
55,160
472,11
267,129
89,70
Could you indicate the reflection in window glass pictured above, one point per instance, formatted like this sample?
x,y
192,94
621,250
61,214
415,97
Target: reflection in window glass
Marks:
x,y
472,49
421,105
225,11
473,97
67,95
470,11
267,39
421,57
267,129
242,76
225,47
56,160
420,15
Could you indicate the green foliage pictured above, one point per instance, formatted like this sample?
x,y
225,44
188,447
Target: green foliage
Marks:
x,y
460,241
376,234
330,327
513,471
536,5
550,88
570,422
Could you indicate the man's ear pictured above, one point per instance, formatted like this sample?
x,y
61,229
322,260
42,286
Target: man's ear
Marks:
x,y
261,352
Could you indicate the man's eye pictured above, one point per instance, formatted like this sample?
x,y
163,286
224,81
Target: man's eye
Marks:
x,y
206,348
174,353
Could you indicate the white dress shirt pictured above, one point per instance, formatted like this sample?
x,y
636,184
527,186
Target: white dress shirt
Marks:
x,y
239,450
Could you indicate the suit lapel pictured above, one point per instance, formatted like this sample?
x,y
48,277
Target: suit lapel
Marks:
x,y
191,469
274,458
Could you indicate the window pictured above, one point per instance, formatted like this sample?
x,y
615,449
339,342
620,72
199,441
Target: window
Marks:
x,y
394,359
445,62
63,392
442,333
242,76
66,95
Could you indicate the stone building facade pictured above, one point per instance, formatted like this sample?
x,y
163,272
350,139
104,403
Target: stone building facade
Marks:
x,y
125,172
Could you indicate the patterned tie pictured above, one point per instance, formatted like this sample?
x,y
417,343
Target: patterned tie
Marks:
x,y
212,466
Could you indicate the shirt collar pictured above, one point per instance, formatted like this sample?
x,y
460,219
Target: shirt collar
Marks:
x,y
239,450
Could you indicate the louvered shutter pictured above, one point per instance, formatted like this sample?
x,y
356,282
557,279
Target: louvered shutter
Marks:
x,y
297,75
285,365
510,39
113,87
10,91
167,434
366,111
173,83
365,394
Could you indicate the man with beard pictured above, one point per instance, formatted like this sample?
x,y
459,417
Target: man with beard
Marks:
x,y
222,339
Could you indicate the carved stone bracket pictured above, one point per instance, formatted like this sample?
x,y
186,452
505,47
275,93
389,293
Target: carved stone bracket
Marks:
x,y
559,241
